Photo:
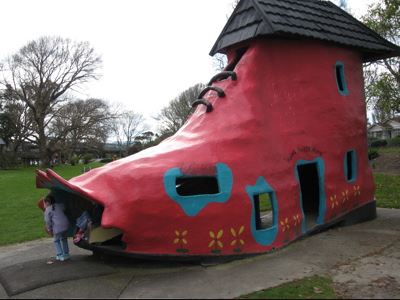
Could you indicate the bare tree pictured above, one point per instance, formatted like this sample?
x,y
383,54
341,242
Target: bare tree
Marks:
x,y
80,124
383,77
235,3
173,116
19,121
220,61
41,74
126,128
343,4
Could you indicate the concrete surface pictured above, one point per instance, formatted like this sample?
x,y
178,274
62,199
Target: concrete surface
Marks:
x,y
27,276
377,275
363,260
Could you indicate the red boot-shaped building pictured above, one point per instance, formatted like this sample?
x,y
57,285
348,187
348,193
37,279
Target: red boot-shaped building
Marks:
x,y
275,150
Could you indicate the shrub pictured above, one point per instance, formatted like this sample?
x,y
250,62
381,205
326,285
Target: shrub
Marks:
x,y
106,160
74,160
8,160
135,149
395,142
372,154
379,143
87,158
372,140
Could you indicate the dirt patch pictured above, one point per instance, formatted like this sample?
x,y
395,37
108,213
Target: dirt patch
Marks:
x,y
371,277
387,163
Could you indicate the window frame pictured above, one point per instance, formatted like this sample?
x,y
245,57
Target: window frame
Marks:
x,y
353,166
340,77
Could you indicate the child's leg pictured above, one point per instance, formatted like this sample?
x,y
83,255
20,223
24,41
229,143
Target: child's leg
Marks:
x,y
64,241
57,244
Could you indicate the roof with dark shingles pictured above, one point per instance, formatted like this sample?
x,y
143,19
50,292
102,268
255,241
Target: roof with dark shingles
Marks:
x,y
313,19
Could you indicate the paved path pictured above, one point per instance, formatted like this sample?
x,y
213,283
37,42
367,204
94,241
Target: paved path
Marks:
x,y
363,260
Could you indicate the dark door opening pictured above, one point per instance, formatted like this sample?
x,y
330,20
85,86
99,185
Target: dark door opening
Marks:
x,y
310,192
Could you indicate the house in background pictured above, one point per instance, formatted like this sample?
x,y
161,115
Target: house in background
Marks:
x,y
387,130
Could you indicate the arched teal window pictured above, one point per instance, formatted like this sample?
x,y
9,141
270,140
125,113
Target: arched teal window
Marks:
x,y
341,79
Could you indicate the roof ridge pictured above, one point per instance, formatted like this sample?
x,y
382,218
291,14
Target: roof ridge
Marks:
x,y
317,23
264,16
337,34
378,36
312,19
305,3
320,14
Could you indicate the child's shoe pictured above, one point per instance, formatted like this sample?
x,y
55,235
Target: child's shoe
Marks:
x,y
59,256
65,257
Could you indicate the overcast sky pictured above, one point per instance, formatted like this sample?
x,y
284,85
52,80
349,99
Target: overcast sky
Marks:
x,y
151,50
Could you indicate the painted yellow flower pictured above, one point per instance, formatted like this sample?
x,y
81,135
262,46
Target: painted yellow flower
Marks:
x,y
180,237
334,201
357,190
237,241
216,239
285,225
345,196
296,220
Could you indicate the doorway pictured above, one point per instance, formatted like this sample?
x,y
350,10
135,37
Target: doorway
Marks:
x,y
310,189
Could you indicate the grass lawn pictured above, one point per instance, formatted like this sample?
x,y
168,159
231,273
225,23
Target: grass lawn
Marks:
x,y
265,202
387,149
315,287
387,190
20,219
